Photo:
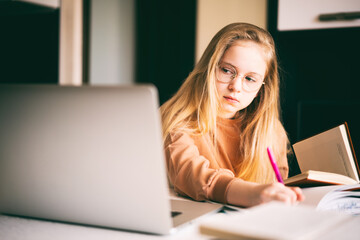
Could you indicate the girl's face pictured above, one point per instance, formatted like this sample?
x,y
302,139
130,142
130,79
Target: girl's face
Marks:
x,y
239,76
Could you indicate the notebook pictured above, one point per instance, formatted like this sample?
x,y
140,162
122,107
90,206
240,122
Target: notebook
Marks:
x,y
274,220
88,155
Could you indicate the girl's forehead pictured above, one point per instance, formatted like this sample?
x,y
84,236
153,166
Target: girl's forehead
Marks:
x,y
246,56
260,49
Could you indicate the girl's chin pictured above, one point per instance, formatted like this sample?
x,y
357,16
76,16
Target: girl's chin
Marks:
x,y
227,113
231,107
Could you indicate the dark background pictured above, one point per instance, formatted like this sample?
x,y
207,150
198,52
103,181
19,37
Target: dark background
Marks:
x,y
320,79
165,43
165,33
29,43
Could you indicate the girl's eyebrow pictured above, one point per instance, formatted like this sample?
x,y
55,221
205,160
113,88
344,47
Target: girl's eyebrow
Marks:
x,y
237,70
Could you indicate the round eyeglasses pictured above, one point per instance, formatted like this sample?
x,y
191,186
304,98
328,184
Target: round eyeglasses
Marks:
x,y
225,73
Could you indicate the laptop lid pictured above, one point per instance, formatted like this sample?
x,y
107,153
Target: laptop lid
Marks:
x,y
89,155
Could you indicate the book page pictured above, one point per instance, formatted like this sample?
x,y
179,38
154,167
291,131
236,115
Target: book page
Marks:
x,y
347,146
313,195
342,199
327,152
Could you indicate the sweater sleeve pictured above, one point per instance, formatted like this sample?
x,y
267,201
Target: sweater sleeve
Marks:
x,y
190,172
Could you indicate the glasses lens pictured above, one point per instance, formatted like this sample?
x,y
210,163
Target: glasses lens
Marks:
x,y
225,73
252,82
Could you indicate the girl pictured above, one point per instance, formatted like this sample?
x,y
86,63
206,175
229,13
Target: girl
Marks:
x,y
217,127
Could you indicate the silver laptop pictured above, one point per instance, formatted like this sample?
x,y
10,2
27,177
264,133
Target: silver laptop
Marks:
x,y
87,155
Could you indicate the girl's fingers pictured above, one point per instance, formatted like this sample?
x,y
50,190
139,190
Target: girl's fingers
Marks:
x,y
299,194
281,193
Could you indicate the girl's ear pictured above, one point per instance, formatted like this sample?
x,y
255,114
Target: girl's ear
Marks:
x,y
260,91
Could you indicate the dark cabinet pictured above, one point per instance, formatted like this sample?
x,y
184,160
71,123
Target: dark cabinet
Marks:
x,y
320,78
29,43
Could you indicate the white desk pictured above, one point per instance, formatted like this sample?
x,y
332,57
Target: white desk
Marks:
x,y
15,228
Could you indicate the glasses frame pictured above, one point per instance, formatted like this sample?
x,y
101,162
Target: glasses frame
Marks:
x,y
235,76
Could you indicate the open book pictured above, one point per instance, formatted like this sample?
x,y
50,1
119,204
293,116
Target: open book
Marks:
x,y
326,158
345,198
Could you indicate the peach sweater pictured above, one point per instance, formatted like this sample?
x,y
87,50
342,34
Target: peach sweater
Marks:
x,y
193,169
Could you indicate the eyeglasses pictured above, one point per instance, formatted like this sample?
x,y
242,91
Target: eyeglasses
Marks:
x,y
225,73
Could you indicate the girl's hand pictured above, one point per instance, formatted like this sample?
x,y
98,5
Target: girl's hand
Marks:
x,y
277,191
247,194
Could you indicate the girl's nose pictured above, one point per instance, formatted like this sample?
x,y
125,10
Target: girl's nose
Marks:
x,y
236,83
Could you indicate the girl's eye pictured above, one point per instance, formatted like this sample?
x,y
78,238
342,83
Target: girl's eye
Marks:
x,y
251,79
227,71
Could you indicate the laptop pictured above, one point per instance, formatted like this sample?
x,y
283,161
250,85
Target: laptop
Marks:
x,y
88,155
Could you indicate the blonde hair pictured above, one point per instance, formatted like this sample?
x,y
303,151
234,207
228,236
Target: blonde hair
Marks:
x,y
195,106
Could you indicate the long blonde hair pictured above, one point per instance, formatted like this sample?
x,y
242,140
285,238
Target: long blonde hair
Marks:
x,y
194,107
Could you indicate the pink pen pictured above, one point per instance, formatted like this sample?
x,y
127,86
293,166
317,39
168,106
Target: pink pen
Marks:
x,y
274,166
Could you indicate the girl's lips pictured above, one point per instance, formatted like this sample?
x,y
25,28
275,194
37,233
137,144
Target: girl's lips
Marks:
x,y
231,99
